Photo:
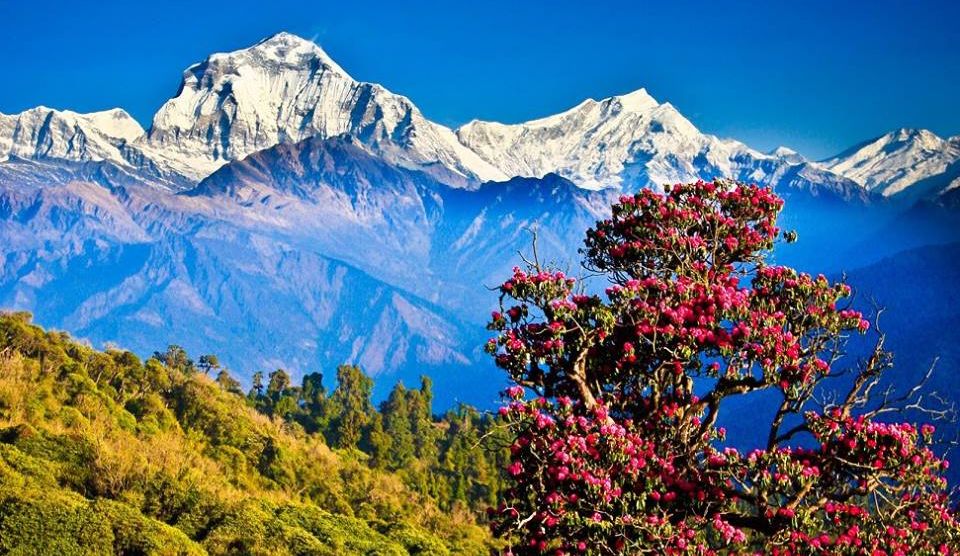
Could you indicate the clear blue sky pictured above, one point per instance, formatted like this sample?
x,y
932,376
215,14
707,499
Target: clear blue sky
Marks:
x,y
817,76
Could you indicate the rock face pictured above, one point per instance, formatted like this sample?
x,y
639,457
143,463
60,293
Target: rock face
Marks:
x,y
399,225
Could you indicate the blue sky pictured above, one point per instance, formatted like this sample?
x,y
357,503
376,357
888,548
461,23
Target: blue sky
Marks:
x,y
817,76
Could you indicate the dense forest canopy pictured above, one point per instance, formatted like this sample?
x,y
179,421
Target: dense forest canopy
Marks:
x,y
101,452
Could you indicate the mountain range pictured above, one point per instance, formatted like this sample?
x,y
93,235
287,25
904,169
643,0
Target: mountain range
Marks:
x,y
280,213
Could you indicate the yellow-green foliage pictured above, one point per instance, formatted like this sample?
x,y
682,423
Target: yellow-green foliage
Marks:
x,y
101,453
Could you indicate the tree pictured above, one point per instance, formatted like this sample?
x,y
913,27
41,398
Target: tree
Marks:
x,y
229,383
620,451
313,392
470,453
425,434
176,358
256,388
316,410
379,443
351,407
156,377
396,426
207,363
280,400
278,382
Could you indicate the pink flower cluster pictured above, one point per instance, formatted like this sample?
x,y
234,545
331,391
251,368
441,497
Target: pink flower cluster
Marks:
x,y
620,455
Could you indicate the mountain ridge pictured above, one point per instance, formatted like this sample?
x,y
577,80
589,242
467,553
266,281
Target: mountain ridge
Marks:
x,y
285,88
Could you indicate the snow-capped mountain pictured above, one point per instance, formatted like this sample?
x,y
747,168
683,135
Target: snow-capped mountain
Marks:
x,y
788,154
632,141
591,143
285,89
46,134
915,162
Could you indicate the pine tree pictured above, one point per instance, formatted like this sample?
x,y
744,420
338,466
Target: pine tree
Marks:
x,y
379,443
396,425
425,434
256,388
314,402
351,407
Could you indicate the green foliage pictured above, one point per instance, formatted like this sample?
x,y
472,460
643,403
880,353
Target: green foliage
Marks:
x,y
176,359
207,363
229,383
37,517
397,429
101,453
351,405
456,460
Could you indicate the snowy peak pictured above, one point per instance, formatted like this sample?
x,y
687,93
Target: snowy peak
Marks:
x,y
116,124
276,53
921,137
236,103
563,142
285,89
788,155
628,140
632,141
892,163
288,49
44,133
637,101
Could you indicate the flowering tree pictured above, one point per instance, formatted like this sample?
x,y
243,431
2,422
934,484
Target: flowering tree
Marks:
x,y
619,450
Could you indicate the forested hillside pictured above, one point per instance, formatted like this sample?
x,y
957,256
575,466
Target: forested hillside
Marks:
x,y
101,452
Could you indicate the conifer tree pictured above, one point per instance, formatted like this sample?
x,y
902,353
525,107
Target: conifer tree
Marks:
x,y
351,407
316,406
396,426
256,388
425,434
